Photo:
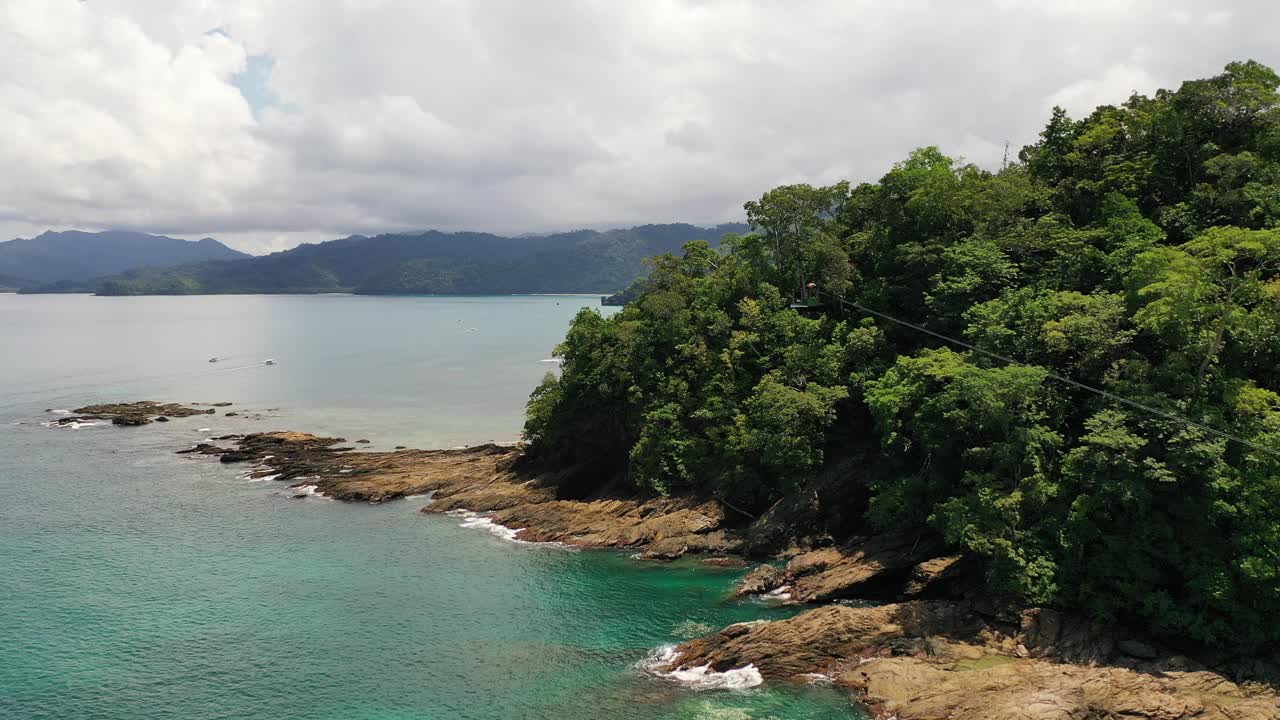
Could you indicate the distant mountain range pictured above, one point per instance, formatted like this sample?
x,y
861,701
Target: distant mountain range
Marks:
x,y
419,263
76,257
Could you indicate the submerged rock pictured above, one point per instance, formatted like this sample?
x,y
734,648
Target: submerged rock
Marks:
x,y
724,562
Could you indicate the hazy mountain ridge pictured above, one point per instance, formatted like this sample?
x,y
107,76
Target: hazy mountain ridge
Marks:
x,y
75,257
423,263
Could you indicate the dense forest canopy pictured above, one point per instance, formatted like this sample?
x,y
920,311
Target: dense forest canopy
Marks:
x,y
1136,250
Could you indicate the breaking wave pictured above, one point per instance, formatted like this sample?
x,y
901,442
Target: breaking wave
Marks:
x,y
699,678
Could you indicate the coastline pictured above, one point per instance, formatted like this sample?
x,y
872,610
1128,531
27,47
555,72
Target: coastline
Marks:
x,y
891,620
487,479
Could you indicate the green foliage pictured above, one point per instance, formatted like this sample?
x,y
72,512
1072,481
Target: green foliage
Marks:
x,y
1136,250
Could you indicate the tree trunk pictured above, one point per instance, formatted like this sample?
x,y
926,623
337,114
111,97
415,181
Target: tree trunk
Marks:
x,y
1213,349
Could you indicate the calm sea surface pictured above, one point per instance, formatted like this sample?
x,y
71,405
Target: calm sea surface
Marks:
x,y
139,584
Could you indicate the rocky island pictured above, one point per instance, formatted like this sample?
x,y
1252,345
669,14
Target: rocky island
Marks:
x,y
133,413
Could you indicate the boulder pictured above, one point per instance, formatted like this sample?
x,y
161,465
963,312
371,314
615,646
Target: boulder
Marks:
x,y
878,567
1137,649
763,579
724,562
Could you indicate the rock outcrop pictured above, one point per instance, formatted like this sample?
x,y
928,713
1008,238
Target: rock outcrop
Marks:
x,y
489,479
885,567
135,413
763,579
941,661
909,688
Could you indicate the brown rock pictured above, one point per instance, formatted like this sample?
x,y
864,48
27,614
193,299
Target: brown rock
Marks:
x,y
132,414
487,478
1048,633
935,577
935,661
664,551
1003,689
763,579
877,567
824,639
724,562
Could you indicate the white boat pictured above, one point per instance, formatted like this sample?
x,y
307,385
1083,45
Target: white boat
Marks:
x,y
269,361
213,359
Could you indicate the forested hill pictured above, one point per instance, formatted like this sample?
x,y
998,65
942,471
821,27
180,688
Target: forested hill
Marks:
x,y
1136,249
428,263
75,256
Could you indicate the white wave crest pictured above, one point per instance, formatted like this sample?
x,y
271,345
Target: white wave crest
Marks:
x,y
484,522
780,593
309,491
699,678
76,424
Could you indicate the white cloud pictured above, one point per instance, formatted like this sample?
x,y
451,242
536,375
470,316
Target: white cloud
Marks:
x,y
1114,85
514,116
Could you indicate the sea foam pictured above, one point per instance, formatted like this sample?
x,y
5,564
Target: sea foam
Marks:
x,y
76,424
699,678
309,491
476,520
782,593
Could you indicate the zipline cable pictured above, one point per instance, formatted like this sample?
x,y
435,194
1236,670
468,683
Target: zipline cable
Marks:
x,y
1074,383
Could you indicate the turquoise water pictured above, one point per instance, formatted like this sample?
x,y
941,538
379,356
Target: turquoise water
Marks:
x,y
139,584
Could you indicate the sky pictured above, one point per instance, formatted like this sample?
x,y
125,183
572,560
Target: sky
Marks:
x,y
266,123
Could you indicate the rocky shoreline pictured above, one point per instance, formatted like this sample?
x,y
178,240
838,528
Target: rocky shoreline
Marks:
x,y
897,622
936,660
932,651
483,479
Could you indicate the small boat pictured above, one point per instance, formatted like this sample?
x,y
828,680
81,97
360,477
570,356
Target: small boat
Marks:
x,y
213,359
269,361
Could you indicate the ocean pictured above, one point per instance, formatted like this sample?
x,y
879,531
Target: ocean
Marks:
x,y
140,584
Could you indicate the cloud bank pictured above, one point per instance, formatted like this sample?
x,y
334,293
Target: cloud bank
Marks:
x,y
272,122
